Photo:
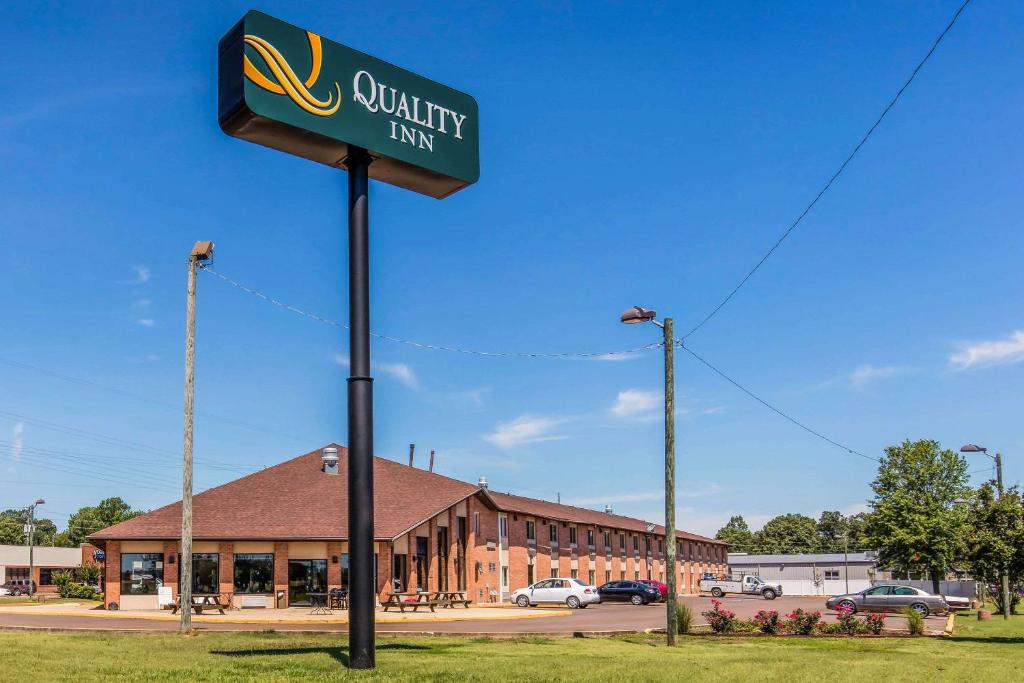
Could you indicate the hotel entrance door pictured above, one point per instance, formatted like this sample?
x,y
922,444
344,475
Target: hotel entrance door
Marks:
x,y
305,577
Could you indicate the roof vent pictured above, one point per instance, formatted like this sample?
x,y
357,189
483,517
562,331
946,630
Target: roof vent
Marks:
x,y
482,483
330,458
607,509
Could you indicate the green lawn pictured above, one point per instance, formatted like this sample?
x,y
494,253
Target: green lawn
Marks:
x,y
985,651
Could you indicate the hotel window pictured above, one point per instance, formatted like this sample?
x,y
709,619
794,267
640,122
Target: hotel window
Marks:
x,y
46,575
607,575
831,574
590,538
490,567
504,577
636,576
205,573
574,573
553,533
661,546
476,523
254,573
554,572
608,540
442,558
502,527
141,573
531,531
572,535
636,543
622,575
622,543
591,577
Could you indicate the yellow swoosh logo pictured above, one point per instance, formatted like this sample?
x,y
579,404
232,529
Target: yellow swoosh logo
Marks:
x,y
286,82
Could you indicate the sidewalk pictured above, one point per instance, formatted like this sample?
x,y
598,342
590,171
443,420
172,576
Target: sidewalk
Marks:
x,y
293,615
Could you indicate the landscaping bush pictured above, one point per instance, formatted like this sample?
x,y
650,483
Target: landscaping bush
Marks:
x,y
767,621
684,617
802,623
720,620
874,623
915,622
847,622
69,587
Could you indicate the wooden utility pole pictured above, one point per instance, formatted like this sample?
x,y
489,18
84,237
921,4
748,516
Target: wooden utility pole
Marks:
x,y
672,625
201,251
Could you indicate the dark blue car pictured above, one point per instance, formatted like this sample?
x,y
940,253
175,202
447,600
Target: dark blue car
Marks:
x,y
628,591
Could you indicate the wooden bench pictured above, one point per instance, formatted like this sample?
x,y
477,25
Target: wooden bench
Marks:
x,y
451,599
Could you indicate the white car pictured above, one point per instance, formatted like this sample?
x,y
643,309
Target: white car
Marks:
x,y
5,591
571,592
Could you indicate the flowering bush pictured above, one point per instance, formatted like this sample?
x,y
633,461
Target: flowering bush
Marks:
x,y
874,623
802,623
767,621
720,620
848,623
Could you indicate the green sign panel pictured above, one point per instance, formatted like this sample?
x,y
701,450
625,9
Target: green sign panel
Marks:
x,y
290,89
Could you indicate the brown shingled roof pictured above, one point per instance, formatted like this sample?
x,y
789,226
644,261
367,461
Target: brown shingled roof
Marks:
x,y
296,500
570,513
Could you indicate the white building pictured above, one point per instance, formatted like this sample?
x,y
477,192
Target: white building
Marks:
x,y
14,564
812,574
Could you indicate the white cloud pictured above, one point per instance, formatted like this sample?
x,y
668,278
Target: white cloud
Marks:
x,y
400,371
865,374
637,404
988,353
17,441
525,429
142,275
146,322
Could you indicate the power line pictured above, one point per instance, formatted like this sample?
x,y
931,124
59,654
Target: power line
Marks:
x,y
422,345
760,400
835,176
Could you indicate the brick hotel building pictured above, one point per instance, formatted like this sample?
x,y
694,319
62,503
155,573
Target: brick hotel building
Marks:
x,y
272,537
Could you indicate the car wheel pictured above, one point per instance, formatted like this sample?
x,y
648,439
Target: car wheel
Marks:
x,y
523,601
848,605
573,602
717,592
920,608
637,600
768,594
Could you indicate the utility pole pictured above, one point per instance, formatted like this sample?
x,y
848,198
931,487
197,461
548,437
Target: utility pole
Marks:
x,y
201,251
30,532
1005,572
633,316
670,480
846,560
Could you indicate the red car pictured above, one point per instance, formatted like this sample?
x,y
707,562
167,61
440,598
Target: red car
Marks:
x,y
662,588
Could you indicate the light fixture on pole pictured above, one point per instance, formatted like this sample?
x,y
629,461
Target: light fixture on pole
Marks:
x,y
30,532
634,316
1005,578
201,251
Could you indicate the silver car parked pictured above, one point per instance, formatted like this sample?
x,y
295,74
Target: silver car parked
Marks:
x,y
887,598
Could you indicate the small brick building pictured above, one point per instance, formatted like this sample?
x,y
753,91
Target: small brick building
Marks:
x,y
272,537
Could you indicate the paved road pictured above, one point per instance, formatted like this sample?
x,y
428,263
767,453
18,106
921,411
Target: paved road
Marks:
x,y
596,618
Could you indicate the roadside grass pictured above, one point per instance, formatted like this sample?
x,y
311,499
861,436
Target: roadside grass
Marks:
x,y
995,630
987,651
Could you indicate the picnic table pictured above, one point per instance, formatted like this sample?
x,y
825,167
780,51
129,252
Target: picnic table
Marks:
x,y
200,602
451,599
318,601
413,601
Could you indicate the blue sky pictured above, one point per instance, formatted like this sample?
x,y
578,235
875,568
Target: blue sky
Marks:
x,y
629,155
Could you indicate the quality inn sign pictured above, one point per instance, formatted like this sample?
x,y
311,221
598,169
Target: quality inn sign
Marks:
x,y
289,89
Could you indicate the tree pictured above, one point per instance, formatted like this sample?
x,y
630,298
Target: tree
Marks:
x,y
88,520
996,539
12,527
858,525
915,521
788,534
833,530
737,534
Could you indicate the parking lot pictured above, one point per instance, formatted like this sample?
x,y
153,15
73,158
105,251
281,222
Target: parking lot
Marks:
x,y
605,618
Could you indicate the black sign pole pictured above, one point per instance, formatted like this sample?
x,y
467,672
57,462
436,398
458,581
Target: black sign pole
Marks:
x,y
362,592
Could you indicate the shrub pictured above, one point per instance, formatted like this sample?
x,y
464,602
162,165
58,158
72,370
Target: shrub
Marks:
x,y
915,622
874,623
720,620
684,617
802,623
848,623
767,621
89,573
68,587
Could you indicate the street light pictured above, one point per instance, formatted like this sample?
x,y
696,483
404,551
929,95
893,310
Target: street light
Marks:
x,y
974,448
30,531
634,316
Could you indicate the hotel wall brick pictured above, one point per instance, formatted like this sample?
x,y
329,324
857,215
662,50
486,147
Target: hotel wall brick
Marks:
x,y
334,568
227,569
112,567
171,568
281,571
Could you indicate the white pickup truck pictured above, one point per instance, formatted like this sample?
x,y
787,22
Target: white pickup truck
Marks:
x,y
747,585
